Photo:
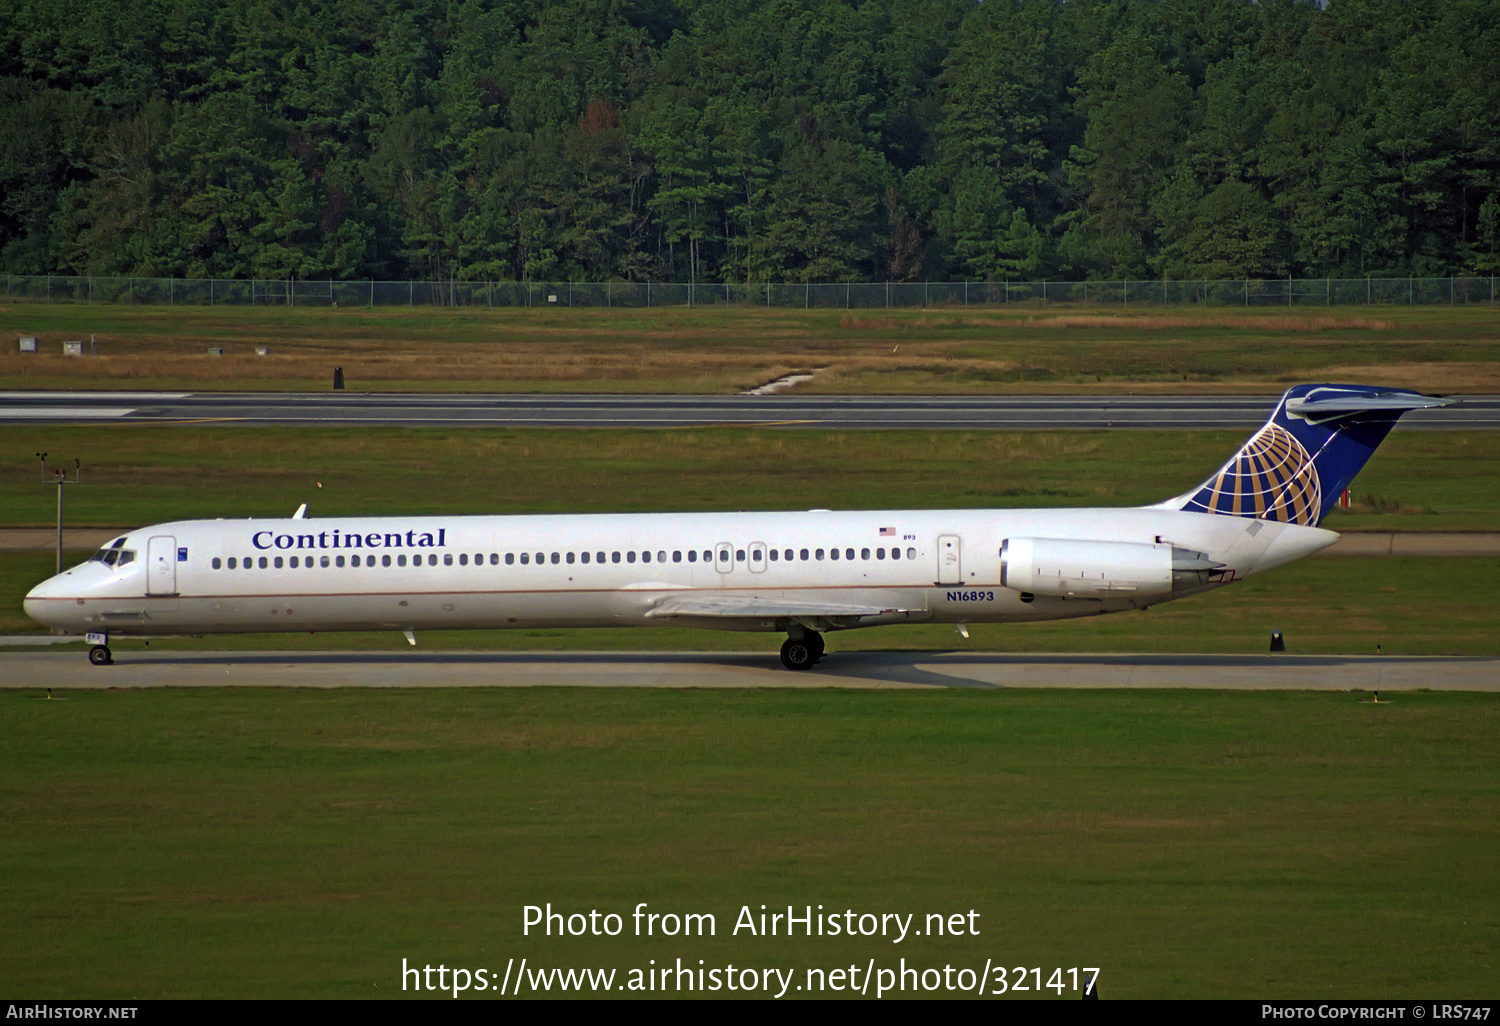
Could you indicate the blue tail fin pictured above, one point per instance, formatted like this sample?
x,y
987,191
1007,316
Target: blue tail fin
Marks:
x,y
1295,467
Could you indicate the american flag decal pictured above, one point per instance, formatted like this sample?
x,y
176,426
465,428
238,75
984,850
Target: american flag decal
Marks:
x,y
887,532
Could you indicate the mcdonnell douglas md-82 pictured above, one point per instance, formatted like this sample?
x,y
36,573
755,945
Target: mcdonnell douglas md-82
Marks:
x,y
801,574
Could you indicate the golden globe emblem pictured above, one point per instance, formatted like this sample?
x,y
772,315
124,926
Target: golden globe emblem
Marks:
x,y
1272,478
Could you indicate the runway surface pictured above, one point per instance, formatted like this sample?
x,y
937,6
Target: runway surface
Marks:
x,y
1010,413
136,668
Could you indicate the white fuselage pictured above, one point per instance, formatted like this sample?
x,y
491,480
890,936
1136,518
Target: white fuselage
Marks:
x,y
732,571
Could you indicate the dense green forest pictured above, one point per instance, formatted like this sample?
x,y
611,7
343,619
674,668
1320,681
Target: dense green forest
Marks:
x,y
749,140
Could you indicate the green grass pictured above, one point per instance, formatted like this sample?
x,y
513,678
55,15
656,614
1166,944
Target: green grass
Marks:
x,y
724,349
134,475
300,843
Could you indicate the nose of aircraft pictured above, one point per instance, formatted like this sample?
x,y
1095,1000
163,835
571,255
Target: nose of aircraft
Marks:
x,y
42,599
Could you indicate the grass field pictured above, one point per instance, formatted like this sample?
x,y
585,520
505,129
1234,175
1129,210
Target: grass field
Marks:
x,y
173,843
719,349
1417,480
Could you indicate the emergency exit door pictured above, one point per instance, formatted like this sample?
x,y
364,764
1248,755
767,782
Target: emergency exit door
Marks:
x,y
161,565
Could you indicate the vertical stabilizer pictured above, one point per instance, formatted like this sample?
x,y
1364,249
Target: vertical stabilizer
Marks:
x,y
1295,467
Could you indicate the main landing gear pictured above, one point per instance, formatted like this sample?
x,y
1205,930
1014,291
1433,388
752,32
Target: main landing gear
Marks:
x,y
801,653
100,655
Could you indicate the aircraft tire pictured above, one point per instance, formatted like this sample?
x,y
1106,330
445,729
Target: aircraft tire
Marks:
x,y
815,642
797,654
100,655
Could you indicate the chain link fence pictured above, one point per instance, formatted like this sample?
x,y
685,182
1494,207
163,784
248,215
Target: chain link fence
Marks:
x,y
1288,292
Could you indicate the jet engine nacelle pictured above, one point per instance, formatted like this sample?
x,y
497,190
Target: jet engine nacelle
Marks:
x,y
1099,569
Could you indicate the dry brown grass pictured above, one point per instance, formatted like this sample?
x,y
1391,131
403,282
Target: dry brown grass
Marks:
x,y
1291,323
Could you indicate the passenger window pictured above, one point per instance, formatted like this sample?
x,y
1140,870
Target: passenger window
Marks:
x,y
864,553
820,553
911,553
774,554
895,553
661,557
645,557
263,562
677,555
804,555
277,562
584,556
338,560
708,555
880,553
739,555
614,557
494,559
431,558
570,557
384,561
232,563
598,557
692,555
848,553
630,557
323,561
463,559
525,559
401,559
556,558
833,553
447,558
510,559
217,563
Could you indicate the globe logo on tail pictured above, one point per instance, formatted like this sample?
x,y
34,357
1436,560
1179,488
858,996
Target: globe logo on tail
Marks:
x,y
1272,478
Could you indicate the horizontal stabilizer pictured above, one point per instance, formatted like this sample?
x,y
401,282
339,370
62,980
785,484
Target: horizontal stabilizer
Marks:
x,y
1334,406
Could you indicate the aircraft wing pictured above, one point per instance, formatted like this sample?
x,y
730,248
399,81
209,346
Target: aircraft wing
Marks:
x,y
761,607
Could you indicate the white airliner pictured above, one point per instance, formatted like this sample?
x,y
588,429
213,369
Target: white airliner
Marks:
x,y
801,574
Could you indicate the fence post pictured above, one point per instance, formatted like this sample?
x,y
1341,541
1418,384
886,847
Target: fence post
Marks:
x,y
1289,292
1044,293
1411,290
888,294
1125,292
807,295
210,291
966,292
1450,290
1246,283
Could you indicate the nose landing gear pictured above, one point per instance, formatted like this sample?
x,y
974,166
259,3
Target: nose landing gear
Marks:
x,y
100,655
803,652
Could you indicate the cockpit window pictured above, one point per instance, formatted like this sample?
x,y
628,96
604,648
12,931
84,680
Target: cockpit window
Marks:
x,y
114,555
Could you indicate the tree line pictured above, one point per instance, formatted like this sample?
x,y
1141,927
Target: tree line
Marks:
x,y
750,140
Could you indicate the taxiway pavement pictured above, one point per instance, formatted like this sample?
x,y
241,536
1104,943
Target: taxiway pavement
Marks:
x,y
135,668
